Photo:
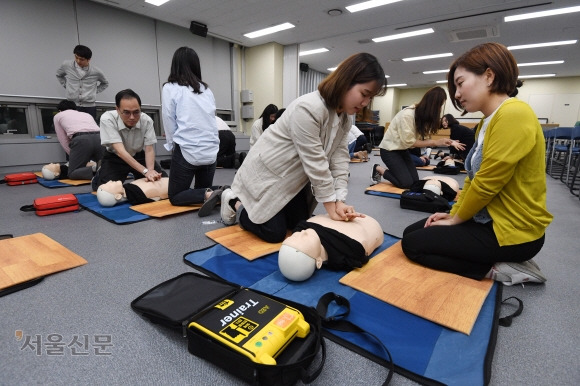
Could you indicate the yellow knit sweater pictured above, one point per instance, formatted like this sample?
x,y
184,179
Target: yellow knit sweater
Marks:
x,y
511,181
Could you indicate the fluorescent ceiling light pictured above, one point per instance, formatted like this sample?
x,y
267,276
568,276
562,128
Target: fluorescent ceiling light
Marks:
x,y
310,52
536,76
559,11
397,85
404,35
536,45
427,57
269,30
156,2
369,4
441,81
435,72
540,63
331,69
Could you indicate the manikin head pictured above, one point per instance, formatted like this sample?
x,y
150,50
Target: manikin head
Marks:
x,y
300,255
51,171
111,193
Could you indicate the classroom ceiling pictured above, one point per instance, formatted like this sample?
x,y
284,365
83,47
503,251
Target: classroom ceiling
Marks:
x,y
458,24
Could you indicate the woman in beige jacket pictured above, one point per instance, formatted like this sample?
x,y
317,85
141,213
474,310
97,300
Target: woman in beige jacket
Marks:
x,y
303,157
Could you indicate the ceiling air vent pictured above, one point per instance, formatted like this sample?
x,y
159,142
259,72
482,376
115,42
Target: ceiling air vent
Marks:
x,y
485,32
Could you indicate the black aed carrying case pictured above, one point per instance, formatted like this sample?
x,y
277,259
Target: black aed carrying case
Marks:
x,y
180,302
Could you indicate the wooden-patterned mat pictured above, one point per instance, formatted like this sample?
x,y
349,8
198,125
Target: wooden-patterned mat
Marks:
x,y
450,300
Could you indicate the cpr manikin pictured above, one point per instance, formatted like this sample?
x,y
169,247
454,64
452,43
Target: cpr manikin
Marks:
x,y
54,171
350,243
433,184
136,192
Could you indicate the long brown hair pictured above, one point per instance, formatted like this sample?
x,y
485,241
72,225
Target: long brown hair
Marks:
x,y
428,111
477,60
356,69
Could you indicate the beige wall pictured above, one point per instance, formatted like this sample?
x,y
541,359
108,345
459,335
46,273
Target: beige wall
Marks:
x,y
563,93
264,69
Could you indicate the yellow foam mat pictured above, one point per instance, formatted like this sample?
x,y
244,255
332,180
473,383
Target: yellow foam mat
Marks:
x,y
242,242
29,257
163,208
67,181
450,300
386,187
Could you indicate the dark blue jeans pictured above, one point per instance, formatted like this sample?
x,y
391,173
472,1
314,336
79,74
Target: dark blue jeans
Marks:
x,y
181,176
402,171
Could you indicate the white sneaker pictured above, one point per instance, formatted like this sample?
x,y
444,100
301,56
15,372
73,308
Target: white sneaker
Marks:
x,y
510,273
227,213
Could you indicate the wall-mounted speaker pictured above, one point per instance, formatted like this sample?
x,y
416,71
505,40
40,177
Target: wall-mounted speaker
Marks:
x,y
304,67
198,29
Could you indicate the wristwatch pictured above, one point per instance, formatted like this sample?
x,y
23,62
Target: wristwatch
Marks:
x,y
145,171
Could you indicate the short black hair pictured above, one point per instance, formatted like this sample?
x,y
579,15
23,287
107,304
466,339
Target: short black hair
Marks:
x,y
66,105
126,94
83,51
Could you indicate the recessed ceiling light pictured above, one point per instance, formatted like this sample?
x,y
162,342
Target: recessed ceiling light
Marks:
x,y
536,45
427,57
334,12
404,35
441,81
540,63
369,4
536,76
315,51
156,2
331,69
533,15
269,30
435,72
397,85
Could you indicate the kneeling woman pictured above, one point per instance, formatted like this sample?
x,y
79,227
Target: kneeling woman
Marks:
x,y
303,157
499,221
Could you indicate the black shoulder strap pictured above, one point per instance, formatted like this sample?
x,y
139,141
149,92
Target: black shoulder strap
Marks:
x,y
339,323
506,321
27,208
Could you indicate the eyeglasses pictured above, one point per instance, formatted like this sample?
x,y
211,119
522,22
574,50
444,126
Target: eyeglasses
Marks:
x,y
127,113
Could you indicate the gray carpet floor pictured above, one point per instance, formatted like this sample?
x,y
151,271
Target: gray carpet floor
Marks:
x,y
93,301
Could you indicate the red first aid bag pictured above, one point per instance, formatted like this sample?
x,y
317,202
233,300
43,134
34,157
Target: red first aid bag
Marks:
x,y
19,179
45,206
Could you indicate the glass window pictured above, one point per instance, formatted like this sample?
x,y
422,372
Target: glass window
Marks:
x,y
47,114
13,120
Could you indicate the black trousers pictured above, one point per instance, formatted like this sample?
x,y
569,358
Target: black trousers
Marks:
x,y
469,249
114,168
275,229
402,171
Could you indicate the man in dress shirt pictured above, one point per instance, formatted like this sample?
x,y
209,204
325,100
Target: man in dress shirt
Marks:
x,y
129,138
78,135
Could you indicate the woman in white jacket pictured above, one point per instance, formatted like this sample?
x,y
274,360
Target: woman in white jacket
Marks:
x,y
303,157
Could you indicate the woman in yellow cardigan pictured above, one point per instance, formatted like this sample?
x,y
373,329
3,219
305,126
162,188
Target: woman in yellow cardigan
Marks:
x,y
498,224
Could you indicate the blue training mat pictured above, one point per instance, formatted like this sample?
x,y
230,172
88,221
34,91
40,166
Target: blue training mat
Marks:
x,y
119,214
422,350
52,183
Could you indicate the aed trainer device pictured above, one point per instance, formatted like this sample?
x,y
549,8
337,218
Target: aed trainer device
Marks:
x,y
254,325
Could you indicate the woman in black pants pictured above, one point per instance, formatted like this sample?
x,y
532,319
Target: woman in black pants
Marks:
x,y
411,127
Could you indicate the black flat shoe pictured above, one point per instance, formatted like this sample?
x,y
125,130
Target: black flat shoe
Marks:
x,y
210,203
